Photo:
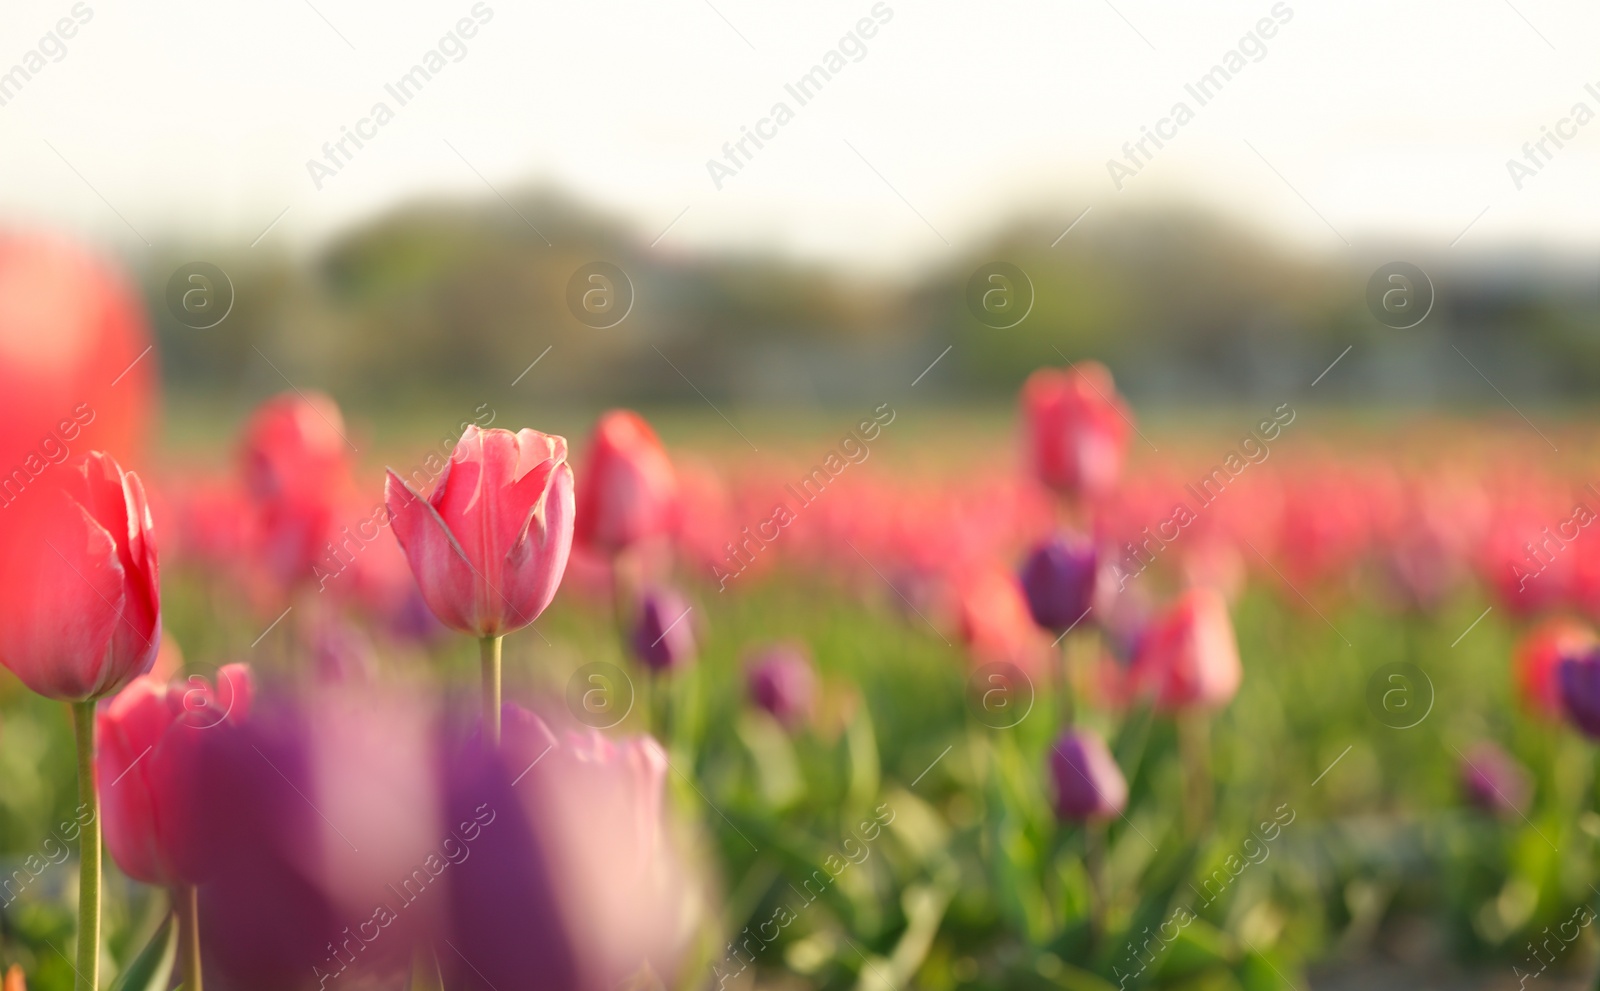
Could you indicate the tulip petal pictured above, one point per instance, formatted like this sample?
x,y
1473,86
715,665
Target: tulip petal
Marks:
x,y
63,602
444,574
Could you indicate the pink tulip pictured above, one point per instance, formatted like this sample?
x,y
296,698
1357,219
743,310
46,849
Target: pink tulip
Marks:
x,y
296,465
146,766
629,491
1188,657
1077,429
80,593
488,547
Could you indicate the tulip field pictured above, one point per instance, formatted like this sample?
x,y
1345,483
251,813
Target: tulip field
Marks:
x,y
1067,694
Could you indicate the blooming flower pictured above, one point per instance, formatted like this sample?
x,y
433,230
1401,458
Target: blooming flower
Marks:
x,y
80,598
488,547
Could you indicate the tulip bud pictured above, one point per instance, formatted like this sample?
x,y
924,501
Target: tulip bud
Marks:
x,y
663,638
1088,783
629,490
1077,429
1188,656
488,547
146,765
781,682
296,465
1578,678
1058,580
1493,781
80,593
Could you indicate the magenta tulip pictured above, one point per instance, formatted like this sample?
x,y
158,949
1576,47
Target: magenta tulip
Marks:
x,y
1088,783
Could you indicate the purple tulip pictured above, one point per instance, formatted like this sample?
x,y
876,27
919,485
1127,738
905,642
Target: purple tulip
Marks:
x,y
1493,781
1089,785
1058,580
573,881
1578,677
322,833
782,682
663,638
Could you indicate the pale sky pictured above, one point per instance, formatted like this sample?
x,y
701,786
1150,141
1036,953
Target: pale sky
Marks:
x,y
1390,120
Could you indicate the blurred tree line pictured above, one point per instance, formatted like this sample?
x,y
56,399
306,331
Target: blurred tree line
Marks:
x,y
433,299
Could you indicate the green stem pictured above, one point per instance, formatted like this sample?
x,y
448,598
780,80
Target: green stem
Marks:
x,y
1194,750
89,852
186,905
489,654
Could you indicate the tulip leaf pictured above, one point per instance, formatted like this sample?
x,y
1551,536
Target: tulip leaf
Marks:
x,y
151,970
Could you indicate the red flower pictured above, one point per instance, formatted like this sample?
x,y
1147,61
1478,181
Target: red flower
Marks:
x,y
489,546
1538,654
1077,429
1188,656
297,470
146,766
80,595
629,490
73,367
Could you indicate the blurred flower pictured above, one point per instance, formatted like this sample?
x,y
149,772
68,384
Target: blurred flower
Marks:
x,y
1058,580
324,831
1578,678
342,651
1188,655
1539,652
146,765
1077,429
577,884
298,474
782,682
1492,780
663,638
80,595
1088,783
993,620
629,491
72,331
14,979
489,546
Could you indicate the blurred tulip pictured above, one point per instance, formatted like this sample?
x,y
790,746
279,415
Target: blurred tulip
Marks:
x,y
297,470
14,979
1537,655
1493,781
72,333
1058,580
782,682
629,491
1088,783
663,637
1578,678
325,835
1188,656
993,620
489,546
146,765
1077,429
80,596
575,883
